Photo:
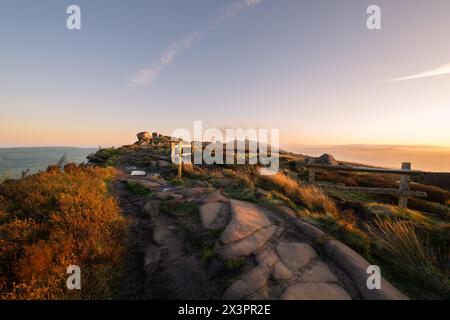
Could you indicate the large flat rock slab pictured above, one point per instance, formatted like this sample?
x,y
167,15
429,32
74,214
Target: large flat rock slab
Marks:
x,y
319,273
246,246
295,255
248,284
246,219
209,213
315,291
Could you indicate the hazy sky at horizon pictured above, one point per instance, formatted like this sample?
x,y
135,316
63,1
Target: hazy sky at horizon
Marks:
x,y
310,68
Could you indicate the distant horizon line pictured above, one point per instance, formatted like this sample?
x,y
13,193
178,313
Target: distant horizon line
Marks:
x,y
283,144
370,145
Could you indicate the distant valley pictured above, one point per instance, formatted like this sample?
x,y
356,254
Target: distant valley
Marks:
x,y
15,160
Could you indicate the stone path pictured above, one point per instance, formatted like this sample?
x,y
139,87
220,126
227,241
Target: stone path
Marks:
x,y
279,259
284,268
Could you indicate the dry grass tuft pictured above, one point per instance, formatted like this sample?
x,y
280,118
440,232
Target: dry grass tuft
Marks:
x,y
407,253
189,169
400,238
312,197
243,174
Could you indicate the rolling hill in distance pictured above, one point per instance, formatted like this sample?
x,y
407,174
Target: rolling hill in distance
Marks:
x,y
14,160
425,158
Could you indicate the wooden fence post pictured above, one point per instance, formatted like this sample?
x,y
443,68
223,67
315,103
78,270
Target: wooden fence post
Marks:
x,y
404,186
312,176
180,159
172,151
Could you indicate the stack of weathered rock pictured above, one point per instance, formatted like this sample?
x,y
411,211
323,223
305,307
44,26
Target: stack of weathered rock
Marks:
x,y
145,138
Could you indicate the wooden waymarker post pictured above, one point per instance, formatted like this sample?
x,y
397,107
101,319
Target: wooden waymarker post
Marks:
x,y
173,146
312,176
404,186
180,159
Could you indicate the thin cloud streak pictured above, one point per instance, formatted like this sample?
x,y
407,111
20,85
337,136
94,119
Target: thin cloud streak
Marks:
x,y
147,76
234,10
442,70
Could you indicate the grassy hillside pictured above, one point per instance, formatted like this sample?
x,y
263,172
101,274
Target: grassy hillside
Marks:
x,y
54,219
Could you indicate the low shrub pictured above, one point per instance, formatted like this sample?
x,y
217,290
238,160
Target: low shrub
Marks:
x,y
54,219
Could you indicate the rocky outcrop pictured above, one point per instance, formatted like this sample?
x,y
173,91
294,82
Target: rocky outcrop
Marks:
x,y
144,138
327,159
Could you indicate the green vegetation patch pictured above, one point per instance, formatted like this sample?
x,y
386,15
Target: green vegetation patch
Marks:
x,y
235,265
174,207
208,254
137,188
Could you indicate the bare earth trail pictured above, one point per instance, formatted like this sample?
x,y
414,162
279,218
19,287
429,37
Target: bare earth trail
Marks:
x,y
194,243
162,262
132,285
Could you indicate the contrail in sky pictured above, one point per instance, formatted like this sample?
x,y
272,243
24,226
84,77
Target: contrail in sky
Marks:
x,y
146,76
442,70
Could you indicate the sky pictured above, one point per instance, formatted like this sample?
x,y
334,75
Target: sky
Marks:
x,y
311,69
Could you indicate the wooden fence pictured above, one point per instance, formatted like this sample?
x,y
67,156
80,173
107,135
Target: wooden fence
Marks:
x,y
403,192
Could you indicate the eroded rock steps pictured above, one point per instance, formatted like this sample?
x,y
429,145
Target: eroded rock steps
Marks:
x,y
186,255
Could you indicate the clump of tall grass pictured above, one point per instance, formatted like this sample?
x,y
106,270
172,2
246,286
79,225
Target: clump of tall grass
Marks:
x,y
400,238
409,254
315,199
388,211
245,175
284,183
310,196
